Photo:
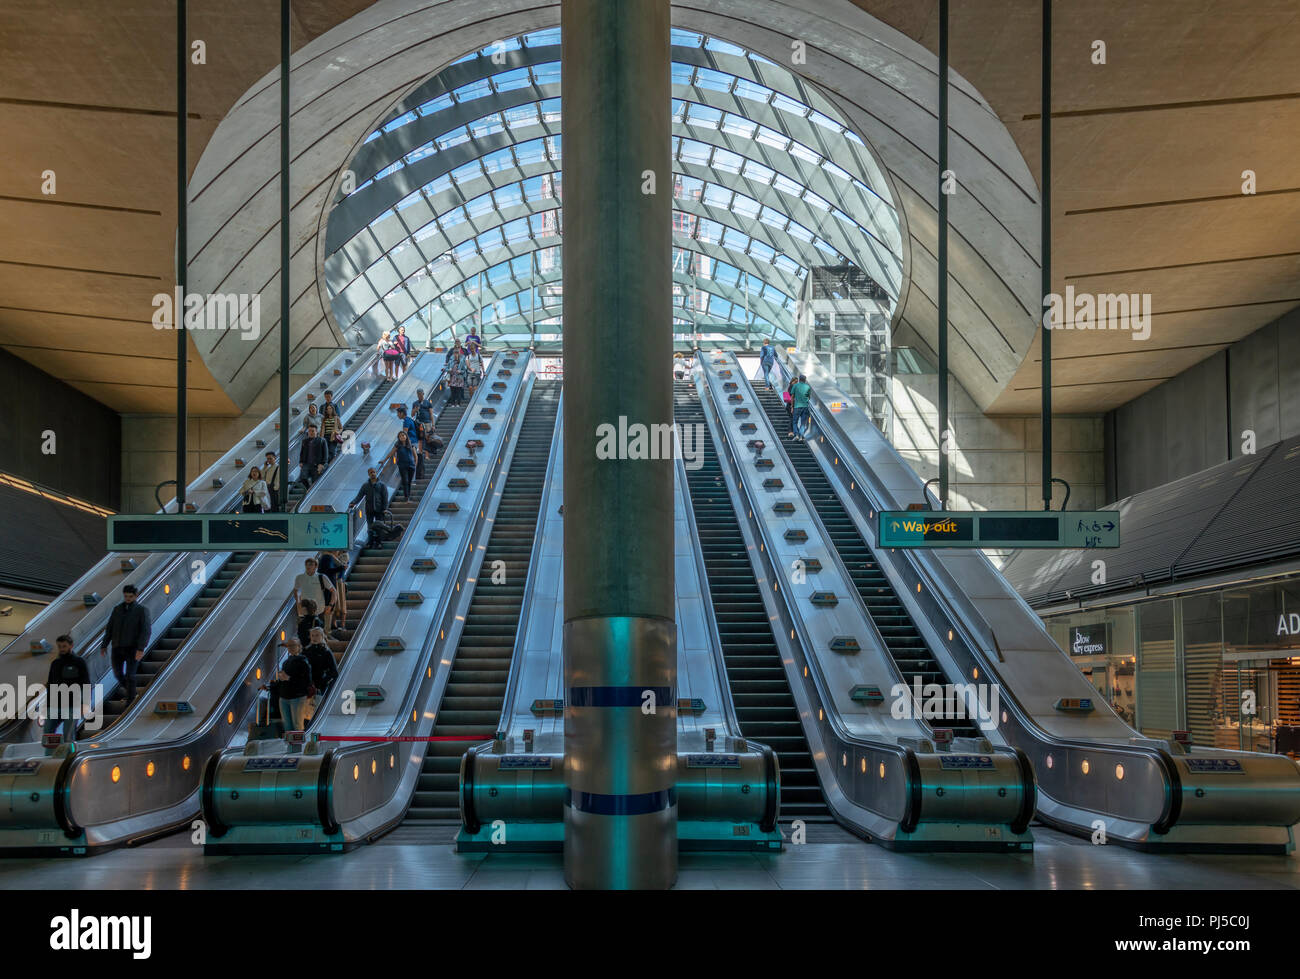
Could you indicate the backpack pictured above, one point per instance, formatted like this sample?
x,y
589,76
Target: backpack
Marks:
x,y
787,397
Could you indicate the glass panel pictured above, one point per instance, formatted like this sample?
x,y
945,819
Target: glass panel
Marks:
x,y
1158,708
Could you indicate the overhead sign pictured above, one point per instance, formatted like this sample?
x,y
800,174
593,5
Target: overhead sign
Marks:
x,y
999,528
1089,640
229,532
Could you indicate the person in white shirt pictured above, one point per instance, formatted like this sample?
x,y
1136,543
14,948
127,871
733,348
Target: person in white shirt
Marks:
x,y
313,585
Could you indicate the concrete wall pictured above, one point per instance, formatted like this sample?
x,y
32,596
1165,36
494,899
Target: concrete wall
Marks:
x,y
86,443
997,460
1198,418
149,445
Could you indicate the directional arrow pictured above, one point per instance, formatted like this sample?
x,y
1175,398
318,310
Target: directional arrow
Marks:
x,y
1110,525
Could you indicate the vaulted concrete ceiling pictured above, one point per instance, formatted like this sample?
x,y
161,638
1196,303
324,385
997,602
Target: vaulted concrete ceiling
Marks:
x,y
1150,148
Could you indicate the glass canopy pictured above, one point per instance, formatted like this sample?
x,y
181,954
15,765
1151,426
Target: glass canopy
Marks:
x,y
450,211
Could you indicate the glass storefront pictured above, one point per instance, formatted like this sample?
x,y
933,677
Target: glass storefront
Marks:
x,y
1222,666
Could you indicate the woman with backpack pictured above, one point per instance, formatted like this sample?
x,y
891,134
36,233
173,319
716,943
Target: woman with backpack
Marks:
x,y
256,497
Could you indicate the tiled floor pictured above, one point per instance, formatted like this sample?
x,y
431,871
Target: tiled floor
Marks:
x,y
424,858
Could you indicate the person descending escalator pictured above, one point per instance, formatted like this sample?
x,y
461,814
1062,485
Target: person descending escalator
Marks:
x,y
271,476
375,493
407,457
292,686
324,669
331,430
254,495
70,676
128,635
312,457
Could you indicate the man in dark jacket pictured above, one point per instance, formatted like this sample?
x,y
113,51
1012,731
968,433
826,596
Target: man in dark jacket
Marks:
x,y
375,494
127,634
312,456
324,670
67,671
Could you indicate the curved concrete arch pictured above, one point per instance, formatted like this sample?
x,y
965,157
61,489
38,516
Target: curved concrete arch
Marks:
x,y
347,80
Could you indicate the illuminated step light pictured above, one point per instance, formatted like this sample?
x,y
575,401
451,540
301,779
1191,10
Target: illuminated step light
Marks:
x,y
173,708
764,464
424,564
772,483
407,599
448,507
545,707
845,644
90,599
1074,705
458,483
866,693
389,644
783,509
437,534
798,536
690,705
824,599
368,693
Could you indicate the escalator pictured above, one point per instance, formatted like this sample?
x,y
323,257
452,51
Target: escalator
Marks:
x,y
473,699
366,572
161,652
909,651
759,688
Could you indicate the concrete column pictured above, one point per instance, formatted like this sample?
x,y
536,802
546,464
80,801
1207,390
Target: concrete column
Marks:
x,y
620,645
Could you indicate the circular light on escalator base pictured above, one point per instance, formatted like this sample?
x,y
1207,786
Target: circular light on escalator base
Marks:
x,y
1085,766
882,769
391,761
1004,717
356,772
1119,772
230,717
257,674
820,715
950,635
149,770
975,673
1050,761
185,763
412,717
374,766
167,589
918,588
844,759
115,774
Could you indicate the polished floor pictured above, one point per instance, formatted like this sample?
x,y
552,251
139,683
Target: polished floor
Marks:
x,y
423,857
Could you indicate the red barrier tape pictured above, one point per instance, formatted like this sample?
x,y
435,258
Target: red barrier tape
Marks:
x,y
446,737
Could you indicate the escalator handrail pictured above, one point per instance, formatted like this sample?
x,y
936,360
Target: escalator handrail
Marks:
x,y
554,459
706,598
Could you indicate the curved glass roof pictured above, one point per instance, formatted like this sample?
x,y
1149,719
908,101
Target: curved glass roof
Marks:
x,y
455,216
